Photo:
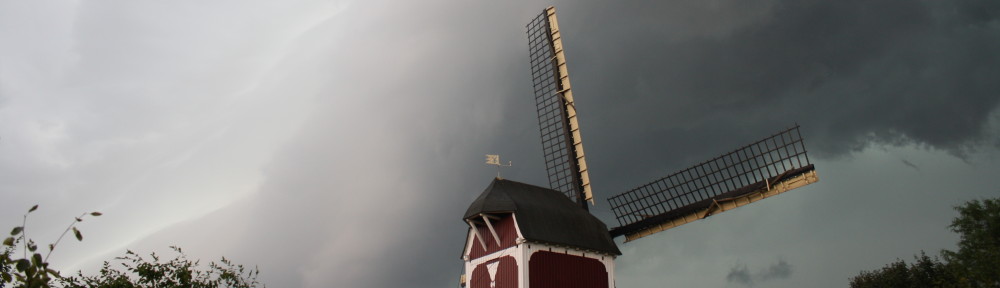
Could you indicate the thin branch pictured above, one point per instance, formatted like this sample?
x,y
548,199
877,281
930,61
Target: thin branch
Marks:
x,y
24,234
71,224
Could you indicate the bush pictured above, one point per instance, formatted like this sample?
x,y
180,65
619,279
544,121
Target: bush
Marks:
x,y
33,271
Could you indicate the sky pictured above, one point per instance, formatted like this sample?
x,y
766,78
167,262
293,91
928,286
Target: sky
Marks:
x,y
338,143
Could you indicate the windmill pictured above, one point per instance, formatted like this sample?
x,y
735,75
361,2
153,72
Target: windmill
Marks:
x,y
522,235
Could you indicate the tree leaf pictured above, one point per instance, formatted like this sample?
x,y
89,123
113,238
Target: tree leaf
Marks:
x,y
78,219
16,230
79,236
33,208
52,272
52,247
22,264
95,214
9,241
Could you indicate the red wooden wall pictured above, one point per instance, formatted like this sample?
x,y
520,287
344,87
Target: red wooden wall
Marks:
x,y
506,274
557,270
505,229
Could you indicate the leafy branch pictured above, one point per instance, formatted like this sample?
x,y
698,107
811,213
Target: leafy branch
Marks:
x,y
76,232
33,271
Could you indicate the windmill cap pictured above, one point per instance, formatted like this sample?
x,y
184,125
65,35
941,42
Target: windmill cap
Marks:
x,y
544,215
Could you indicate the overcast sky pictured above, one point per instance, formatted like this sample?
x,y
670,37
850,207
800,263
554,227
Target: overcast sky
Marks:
x,y
337,143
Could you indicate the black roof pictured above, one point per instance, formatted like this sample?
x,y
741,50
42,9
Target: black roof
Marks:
x,y
544,215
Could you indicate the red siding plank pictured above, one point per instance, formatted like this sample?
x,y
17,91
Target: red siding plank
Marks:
x,y
557,270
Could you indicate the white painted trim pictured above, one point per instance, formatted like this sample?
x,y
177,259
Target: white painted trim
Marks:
x,y
509,251
478,235
517,228
493,231
516,251
468,245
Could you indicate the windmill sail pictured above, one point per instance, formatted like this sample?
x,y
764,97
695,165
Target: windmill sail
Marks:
x,y
765,168
560,130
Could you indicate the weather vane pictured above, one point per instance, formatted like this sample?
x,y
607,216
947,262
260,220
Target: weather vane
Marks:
x,y
495,160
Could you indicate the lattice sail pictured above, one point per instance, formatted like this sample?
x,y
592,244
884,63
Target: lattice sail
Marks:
x,y
557,120
765,168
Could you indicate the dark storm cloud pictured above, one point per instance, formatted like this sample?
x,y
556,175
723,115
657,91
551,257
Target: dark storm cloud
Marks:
x,y
853,73
655,93
400,101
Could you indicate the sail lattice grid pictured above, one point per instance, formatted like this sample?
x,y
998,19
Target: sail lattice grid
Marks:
x,y
746,169
556,145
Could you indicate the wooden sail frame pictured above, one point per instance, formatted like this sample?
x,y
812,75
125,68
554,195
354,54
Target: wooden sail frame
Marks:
x,y
765,168
562,143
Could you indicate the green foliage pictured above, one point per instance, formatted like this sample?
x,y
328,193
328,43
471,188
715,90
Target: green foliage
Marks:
x,y
924,272
975,264
978,255
178,272
28,271
32,270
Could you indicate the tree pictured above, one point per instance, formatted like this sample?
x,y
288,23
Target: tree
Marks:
x,y
978,257
975,264
33,271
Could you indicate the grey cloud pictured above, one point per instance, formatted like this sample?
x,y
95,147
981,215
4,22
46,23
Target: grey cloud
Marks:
x,y
365,193
652,97
150,113
360,135
740,274
778,270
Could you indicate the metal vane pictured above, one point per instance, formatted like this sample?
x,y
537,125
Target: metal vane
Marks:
x,y
492,159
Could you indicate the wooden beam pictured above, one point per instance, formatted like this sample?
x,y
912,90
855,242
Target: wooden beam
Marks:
x,y
478,235
722,205
570,108
493,231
